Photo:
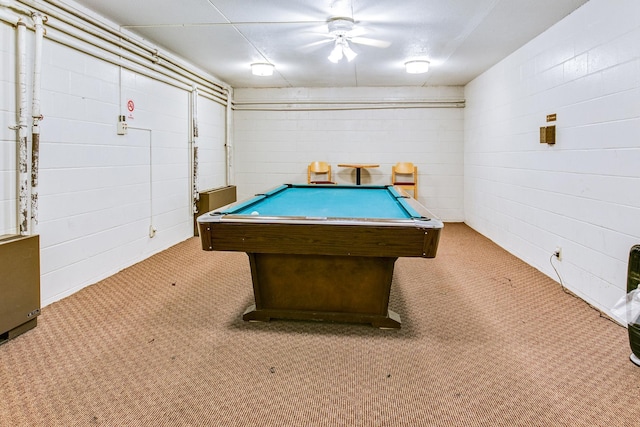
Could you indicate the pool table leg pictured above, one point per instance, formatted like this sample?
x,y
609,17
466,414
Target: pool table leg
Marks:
x,y
251,314
351,289
392,321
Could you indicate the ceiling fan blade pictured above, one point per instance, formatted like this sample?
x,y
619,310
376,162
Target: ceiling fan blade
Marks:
x,y
357,32
315,44
370,42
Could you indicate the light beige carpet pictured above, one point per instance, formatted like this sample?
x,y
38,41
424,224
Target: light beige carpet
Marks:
x,y
486,340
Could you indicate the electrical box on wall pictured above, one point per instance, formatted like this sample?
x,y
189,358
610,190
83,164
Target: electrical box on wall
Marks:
x,y
548,135
122,125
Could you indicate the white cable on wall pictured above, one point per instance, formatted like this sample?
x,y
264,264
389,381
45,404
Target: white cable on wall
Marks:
x,y
152,228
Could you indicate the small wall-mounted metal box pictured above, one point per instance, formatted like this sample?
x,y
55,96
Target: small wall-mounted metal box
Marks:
x,y
548,135
213,199
19,284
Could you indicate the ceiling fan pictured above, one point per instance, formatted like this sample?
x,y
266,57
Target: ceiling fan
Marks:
x,y
341,32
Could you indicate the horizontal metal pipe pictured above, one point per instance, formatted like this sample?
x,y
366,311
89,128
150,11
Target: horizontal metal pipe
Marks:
x,y
11,5
350,102
337,106
127,43
100,54
9,17
65,34
133,41
118,37
125,59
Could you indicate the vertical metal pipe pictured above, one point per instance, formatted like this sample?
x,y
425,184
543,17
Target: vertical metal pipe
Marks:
x,y
228,143
23,178
194,145
37,116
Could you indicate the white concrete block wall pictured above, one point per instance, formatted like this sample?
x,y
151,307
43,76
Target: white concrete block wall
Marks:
x,y
583,193
99,192
8,119
275,147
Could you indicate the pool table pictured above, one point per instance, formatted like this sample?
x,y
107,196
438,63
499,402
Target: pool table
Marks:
x,y
323,252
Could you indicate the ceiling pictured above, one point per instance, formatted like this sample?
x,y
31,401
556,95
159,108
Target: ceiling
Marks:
x,y
460,38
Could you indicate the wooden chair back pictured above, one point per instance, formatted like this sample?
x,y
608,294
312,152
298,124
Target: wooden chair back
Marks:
x,y
319,173
405,176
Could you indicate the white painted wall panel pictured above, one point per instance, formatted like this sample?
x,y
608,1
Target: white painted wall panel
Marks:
x,y
583,193
99,192
212,158
275,147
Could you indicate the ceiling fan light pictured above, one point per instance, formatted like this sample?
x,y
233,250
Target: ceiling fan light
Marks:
x,y
348,53
336,54
262,69
416,67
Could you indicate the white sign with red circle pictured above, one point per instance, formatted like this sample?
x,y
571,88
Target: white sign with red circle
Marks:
x,y
130,107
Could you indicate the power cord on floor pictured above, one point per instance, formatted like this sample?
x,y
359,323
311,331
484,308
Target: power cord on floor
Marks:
x,y
566,291
553,255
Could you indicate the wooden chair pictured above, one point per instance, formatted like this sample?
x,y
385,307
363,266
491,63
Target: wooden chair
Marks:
x,y
319,173
405,176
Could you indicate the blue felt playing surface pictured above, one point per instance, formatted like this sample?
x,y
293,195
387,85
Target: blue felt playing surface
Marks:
x,y
329,202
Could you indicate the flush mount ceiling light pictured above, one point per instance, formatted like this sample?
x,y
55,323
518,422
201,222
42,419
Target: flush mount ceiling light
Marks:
x,y
417,67
262,69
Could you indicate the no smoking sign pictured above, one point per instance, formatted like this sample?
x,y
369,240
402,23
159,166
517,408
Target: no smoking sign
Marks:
x,y
130,107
